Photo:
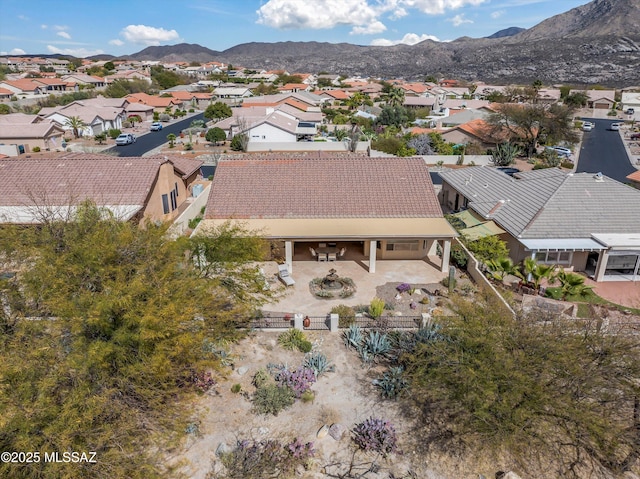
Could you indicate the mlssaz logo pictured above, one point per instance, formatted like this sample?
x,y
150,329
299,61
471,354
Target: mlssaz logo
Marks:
x,y
70,457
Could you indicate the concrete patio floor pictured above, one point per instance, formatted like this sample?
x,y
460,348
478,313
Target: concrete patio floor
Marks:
x,y
298,298
625,293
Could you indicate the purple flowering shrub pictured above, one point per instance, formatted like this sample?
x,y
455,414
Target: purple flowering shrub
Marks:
x,y
377,435
403,287
298,381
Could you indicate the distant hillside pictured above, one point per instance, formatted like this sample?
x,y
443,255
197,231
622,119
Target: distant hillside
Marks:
x,y
186,52
507,32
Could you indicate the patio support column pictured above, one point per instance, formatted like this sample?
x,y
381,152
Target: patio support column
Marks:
x,y
288,255
602,265
446,252
372,255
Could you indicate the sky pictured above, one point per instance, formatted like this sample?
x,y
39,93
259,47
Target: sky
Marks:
x,y
118,27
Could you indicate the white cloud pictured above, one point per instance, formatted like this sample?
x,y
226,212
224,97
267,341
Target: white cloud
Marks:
x,y
294,14
434,7
459,20
364,16
148,35
16,51
44,27
371,29
76,52
60,28
64,35
117,42
408,39
498,14
23,17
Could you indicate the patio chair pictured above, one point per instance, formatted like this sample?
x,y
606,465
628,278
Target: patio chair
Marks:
x,y
283,274
322,256
331,256
313,252
342,252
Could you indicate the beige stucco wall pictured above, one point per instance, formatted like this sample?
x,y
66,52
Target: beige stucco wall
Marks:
x,y
165,183
52,142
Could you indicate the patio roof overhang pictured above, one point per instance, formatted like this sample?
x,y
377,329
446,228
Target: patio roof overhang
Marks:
x,y
562,244
343,228
630,241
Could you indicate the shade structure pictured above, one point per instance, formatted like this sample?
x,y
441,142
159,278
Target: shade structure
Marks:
x,y
467,218
488,228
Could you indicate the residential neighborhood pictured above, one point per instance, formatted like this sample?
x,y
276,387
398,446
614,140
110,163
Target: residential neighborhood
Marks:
x,y
216,270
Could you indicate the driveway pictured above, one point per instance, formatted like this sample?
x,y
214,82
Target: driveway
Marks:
x,y
154,139
603,151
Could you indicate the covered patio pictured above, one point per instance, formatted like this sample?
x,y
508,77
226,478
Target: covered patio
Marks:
x,y
298,298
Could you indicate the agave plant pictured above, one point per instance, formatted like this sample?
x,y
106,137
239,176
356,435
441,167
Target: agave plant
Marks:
x,y
392,383
376,344
318,363
353,337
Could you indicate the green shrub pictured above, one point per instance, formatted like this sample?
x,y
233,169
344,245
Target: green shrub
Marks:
x,y
293,339
567,164
260,378
487,248
376,307
305,346
458,256
271,399
308,396
35,149
113,133
236,388
346,315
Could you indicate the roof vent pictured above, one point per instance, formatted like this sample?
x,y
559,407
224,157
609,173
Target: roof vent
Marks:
x,y
599,177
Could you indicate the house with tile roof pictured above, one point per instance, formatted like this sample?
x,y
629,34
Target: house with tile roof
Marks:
x,y
598,99
23,86
96,116
159,103
582,221
475,131
133,189
382,208
26,132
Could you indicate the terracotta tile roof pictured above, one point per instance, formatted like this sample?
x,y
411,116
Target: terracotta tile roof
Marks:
x,y
337,94
4,91
483,131
76,177
634,176
155,101
23,84
273,186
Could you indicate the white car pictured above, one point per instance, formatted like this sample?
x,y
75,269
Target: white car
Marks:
x,y
560,150
615,126
125,139
587,126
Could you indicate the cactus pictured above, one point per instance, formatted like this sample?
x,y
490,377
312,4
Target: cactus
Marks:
x,y
353,337
392,383
377,435
318,363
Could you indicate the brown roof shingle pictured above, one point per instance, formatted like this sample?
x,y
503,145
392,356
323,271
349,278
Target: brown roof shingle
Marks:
x,y
354,187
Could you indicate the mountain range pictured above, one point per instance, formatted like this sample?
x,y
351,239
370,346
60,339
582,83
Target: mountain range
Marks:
x,y
597,43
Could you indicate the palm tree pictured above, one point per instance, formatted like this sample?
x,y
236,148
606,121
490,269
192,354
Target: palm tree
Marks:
x,y
76,124
572,284
395,97
535,272
500,267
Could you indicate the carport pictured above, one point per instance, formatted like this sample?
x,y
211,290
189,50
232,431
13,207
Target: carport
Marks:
x,y
621,260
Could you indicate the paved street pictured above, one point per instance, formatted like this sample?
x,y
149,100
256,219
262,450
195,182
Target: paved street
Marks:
x,y
603,151
154,139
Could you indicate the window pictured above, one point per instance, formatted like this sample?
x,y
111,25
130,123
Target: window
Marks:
x,y
165,204
176,189
174,200
402,246
554,257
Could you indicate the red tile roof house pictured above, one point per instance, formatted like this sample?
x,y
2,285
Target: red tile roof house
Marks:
x,y
28,131
383,208
132,188
160,104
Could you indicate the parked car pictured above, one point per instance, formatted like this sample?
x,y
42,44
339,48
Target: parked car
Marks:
x,y
630,111
560,151
587,126
125,139
635,136
615,126
156,126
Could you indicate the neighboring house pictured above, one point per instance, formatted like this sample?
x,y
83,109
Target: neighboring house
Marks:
x,y
232,93
295,87
335,96
579,221
634,178
154,188
277,127
96,117
84,79
598,99
415,102
299,201
475,131
549,95
27,132
159,103
464,116
128,75
53,85
630,99
6,94
23,86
